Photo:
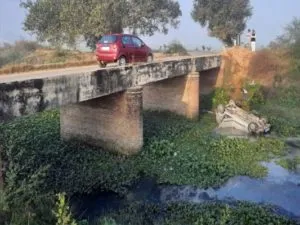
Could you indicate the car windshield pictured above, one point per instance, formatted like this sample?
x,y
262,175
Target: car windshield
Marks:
x,y
108,39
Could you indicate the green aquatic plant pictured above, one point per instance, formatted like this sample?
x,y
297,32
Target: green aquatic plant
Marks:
x,y
192,214
176,151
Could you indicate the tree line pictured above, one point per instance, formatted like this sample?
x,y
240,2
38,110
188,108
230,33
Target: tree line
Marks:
x,y
62,22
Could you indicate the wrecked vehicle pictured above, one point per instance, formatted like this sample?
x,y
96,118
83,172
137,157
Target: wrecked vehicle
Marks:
x,y
232,116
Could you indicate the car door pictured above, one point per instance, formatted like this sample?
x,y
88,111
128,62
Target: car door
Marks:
x,y
140,51
127,48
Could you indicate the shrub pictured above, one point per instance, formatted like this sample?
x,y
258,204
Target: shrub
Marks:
x,y
176,47
15,53
62,211
220,96
26,46
254,96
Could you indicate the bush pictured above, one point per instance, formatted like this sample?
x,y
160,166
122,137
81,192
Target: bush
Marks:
x,y
220,96
254,96
15,53
213,99
62,211
26,46
176,48
282,109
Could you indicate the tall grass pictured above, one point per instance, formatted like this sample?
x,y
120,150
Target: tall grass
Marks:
x,y
14,53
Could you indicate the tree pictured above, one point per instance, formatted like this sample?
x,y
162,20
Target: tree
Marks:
x,y
225,19
175,47
291,34
290,39
63,21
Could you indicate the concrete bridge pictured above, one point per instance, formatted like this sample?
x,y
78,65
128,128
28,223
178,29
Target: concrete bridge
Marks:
x,y
104,107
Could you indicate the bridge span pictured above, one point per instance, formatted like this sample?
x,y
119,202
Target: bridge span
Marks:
x,y
104,106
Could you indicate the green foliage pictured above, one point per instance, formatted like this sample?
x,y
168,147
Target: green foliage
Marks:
x,y
254,97
291,34
225,19
191,214
176,151
62,211
4,212
290,164
176,47
290,40
220,96
63,22
107,221
282,110
13,53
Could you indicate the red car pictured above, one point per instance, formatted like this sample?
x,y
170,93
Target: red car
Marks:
x,y
122,48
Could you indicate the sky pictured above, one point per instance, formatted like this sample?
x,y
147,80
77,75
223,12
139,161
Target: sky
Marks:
x,y
269,18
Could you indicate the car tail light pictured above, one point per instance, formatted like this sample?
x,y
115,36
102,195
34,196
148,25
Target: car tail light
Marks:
x,y
114,47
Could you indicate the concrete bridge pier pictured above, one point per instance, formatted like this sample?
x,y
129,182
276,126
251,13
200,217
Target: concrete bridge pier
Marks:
x,y
112,122
179,95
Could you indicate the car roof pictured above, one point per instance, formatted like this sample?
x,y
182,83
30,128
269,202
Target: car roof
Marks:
x,y
119,34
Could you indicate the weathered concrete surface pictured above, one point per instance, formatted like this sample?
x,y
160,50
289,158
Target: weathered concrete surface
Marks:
x,y
112,122
26,97
179,95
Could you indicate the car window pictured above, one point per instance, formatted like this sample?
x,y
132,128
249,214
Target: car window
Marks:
x,y
108,39
126,40
137,42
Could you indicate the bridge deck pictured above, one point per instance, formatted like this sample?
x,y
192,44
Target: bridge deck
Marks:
x,y
23,94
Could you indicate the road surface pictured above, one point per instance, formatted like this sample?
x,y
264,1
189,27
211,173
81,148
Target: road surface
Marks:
x,y
73,70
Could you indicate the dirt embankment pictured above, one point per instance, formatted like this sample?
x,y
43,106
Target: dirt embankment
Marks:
x,y
240,65
44,59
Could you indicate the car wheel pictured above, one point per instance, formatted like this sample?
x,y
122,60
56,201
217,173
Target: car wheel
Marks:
x,y
150,59
122,61
253,128
102,64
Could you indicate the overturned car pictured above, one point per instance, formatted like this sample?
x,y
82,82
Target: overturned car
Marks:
x,y
232,116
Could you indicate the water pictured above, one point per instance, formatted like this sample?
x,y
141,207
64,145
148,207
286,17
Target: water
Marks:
x,y
280,188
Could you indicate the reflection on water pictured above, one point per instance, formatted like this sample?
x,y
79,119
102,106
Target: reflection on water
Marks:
x,y
280,188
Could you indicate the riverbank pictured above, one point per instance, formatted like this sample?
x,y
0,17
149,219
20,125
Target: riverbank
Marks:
x,y
177,152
